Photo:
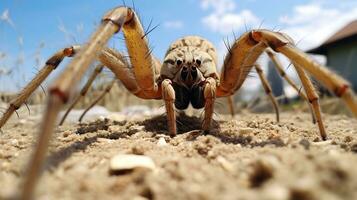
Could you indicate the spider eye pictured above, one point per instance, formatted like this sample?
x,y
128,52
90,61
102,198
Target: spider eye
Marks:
x,y
179,62
198,62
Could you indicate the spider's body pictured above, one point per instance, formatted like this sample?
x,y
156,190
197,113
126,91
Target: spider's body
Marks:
x,y
188,62
187,75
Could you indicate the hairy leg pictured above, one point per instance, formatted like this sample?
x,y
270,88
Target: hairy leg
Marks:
x,y
63,88
98,69
282,43
116,62
100,97
282,73
253,43
210,97
168,95
238,62
51,64
230,101
313,98
145,66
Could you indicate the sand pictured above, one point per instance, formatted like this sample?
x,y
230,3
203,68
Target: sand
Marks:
x,y
248,157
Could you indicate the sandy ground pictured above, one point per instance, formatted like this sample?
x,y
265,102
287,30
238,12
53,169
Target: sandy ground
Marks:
x,y
248,157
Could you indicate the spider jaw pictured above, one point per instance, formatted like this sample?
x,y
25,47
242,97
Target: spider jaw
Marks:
x,y
188,76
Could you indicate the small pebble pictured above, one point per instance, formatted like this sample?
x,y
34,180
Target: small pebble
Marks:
x,y
245,131
323,143
225,164
276,192
104,140
123,162
14,142
161,142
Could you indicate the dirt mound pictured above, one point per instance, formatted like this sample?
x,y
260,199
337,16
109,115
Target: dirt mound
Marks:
x,y
249,157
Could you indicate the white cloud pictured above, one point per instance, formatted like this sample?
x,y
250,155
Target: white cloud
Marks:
x,y
219,6
224,19
305,13
226,23
309,24
173,24
5,16
313,23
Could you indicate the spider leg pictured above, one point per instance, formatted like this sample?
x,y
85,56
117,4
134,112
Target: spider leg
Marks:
x,y
98,69
145,66
281,43
268,90
116,62
313,98
230,101
210,96
278,66
51,64
63,87
168,95
246,50
100,97
238,63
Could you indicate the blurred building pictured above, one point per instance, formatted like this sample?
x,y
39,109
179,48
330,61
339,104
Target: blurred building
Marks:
x,y
341,52
275,80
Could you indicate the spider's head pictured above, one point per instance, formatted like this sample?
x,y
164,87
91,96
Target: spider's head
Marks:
x,y
189,73
187,67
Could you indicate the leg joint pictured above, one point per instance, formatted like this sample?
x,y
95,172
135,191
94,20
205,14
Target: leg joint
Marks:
x,y
276,44
313,99
55,60
340,91
14,106
210,89
119,16
267,90
63,96
168,93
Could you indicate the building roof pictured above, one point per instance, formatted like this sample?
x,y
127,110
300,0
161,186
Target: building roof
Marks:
x,y
346,32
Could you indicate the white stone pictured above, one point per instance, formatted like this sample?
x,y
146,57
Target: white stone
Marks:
x,y
276,192
130,161
161,142
225,164
245,131
14,142
322,143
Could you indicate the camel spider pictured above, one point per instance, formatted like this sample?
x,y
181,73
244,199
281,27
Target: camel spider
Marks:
x,y
187,75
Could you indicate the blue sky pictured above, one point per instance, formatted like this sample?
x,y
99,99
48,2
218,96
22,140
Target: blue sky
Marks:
x,y
26,25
